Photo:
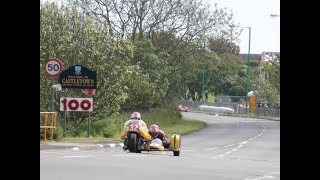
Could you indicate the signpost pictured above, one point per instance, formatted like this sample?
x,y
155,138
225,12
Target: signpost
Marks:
x,y
53,68
75,104
78,77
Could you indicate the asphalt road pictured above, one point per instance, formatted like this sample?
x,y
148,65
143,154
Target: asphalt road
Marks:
x,y
229,148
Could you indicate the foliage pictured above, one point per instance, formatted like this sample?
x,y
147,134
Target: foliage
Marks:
x,y
225,77
147,54
73,38
150,81
266,81
176,29
222,46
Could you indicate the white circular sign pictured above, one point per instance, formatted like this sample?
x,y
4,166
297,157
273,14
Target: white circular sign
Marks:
x,y
53,67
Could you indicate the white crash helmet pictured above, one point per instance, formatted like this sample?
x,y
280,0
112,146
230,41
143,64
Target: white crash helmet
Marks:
x,y
136,115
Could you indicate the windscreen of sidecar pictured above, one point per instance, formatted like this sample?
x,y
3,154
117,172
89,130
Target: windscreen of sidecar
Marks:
x,y
156,141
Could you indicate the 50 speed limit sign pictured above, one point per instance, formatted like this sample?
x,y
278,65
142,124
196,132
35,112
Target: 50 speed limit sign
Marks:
x,y
53,67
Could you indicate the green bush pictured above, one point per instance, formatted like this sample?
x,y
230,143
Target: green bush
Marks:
x,y
111,127
57,133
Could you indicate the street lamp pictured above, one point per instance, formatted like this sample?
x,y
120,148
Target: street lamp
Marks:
x,y
53,88
56,86
59,88
248,67
274,15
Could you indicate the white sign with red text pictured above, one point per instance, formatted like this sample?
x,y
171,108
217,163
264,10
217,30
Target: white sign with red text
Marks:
x,y
76,104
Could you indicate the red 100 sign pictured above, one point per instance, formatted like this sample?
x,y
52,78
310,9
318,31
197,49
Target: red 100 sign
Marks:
x,y
76,104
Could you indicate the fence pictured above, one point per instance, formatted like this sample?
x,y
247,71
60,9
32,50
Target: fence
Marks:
x,y
48,120
233,105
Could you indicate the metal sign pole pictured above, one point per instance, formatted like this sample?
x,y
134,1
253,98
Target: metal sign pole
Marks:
x,y
64,117
89,125
52,95
89,94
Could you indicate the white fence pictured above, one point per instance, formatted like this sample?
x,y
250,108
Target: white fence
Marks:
x,y
232,108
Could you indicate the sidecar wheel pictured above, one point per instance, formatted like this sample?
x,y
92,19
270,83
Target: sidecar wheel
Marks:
x,y
176,153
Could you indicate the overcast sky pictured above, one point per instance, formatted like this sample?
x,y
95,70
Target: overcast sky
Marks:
x,y
265,31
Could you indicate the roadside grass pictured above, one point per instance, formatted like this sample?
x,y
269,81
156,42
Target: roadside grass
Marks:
x,y
84,139
184,127
111,128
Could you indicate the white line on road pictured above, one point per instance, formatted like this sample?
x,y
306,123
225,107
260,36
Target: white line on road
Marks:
x,y
112,145
263,177
240,144
201,149
192,149
133,155
212,148
77,156
230,145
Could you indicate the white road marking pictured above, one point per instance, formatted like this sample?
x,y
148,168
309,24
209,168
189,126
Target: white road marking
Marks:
x,y
240,144
112,145
263,177
61,152
77,156
230,145
190,149
75,148
201,149
212,148
100,145
134,155
244,142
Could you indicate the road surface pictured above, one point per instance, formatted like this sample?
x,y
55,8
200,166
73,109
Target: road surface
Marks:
x,y
229,148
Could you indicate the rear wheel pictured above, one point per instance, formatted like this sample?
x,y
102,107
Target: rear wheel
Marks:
x,y
176,153
133,142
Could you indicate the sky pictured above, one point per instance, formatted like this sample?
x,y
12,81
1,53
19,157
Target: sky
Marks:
x,y
265,30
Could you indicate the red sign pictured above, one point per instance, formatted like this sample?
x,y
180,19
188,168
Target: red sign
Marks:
x,y
92,92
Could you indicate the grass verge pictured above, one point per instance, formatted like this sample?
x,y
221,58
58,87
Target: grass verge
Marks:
x,y
183,127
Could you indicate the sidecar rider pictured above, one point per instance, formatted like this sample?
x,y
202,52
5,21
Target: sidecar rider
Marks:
x,y
143,131
156,132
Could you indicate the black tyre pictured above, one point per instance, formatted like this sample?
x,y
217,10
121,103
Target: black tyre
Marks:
x,y
176,153
133,142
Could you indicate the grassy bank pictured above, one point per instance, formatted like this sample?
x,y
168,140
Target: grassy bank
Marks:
x,y
111,128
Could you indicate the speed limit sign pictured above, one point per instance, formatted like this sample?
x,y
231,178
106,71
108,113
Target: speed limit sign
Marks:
x,y
53,67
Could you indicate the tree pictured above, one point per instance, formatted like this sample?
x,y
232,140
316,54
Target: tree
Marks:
x,y
149,84
225,76
176,29
74,38
222,46
269,88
